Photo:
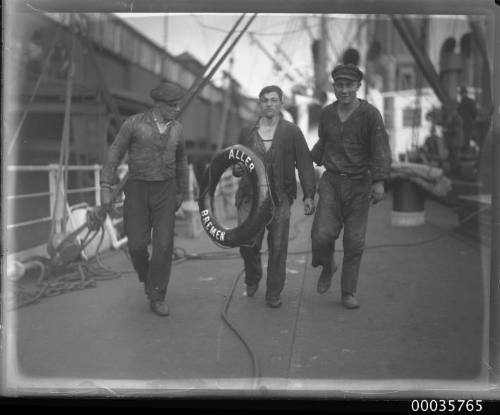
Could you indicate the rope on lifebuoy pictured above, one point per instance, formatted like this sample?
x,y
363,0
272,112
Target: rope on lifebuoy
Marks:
x,y
261,203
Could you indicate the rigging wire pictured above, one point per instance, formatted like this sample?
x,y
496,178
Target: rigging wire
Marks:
x,y
285,39
291,44
203,31
262,20
67,122
277,68
260,33
336,53
200,82
64,147
43,72
203,82
307,28
221,45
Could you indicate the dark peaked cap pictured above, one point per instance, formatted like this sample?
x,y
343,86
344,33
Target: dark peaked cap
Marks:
x,y
167,92
349,71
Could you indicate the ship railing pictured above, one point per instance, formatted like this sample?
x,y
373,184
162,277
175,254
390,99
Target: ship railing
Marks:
x,y
59,209
73,215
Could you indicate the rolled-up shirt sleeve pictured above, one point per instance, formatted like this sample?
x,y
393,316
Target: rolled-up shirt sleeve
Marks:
x,y
379,148
116,152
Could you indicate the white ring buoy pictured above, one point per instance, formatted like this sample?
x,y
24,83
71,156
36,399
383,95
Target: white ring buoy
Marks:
x,y
261,203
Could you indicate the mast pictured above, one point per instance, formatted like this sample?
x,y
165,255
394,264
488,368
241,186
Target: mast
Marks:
x,y
319,59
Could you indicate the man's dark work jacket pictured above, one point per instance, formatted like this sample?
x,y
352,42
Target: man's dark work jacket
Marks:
x,y
287,152
152,156
357,147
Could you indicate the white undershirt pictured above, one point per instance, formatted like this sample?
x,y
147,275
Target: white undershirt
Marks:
x,y
162,126
266,133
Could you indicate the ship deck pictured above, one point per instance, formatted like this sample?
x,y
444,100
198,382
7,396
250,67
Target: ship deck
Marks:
x,y
422,326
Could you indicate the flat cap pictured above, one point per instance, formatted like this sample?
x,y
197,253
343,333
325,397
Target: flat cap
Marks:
x,y
167,92
348,71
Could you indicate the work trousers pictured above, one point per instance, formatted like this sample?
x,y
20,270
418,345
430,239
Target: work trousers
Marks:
x,y
454,159
149,217
343,203
277,241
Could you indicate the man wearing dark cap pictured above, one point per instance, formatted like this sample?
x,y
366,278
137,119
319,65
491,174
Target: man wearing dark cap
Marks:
x,y
353,147
155,188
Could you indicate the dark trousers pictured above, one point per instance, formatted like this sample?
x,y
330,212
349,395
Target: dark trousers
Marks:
x,y
149,216
277,241
454,158
343,202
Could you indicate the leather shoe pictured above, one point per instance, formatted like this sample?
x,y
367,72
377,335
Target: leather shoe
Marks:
x,y
274,302
159,307
325,280
349,301
323,284
252,289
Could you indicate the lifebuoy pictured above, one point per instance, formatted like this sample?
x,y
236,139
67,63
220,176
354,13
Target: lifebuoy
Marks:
x,y
261,204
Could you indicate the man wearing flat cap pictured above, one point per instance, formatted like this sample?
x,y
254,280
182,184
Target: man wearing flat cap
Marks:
x,y
353,147
155,188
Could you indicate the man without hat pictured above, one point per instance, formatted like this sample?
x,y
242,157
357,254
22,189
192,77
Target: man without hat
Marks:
x,y
283,149
353,147
156,187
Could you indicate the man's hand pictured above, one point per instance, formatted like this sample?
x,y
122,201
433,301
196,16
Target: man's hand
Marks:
x,y
106,196
238,169
377,193
178,202
308,206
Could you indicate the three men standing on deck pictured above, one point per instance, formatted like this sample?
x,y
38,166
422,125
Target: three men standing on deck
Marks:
x,y
353,147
